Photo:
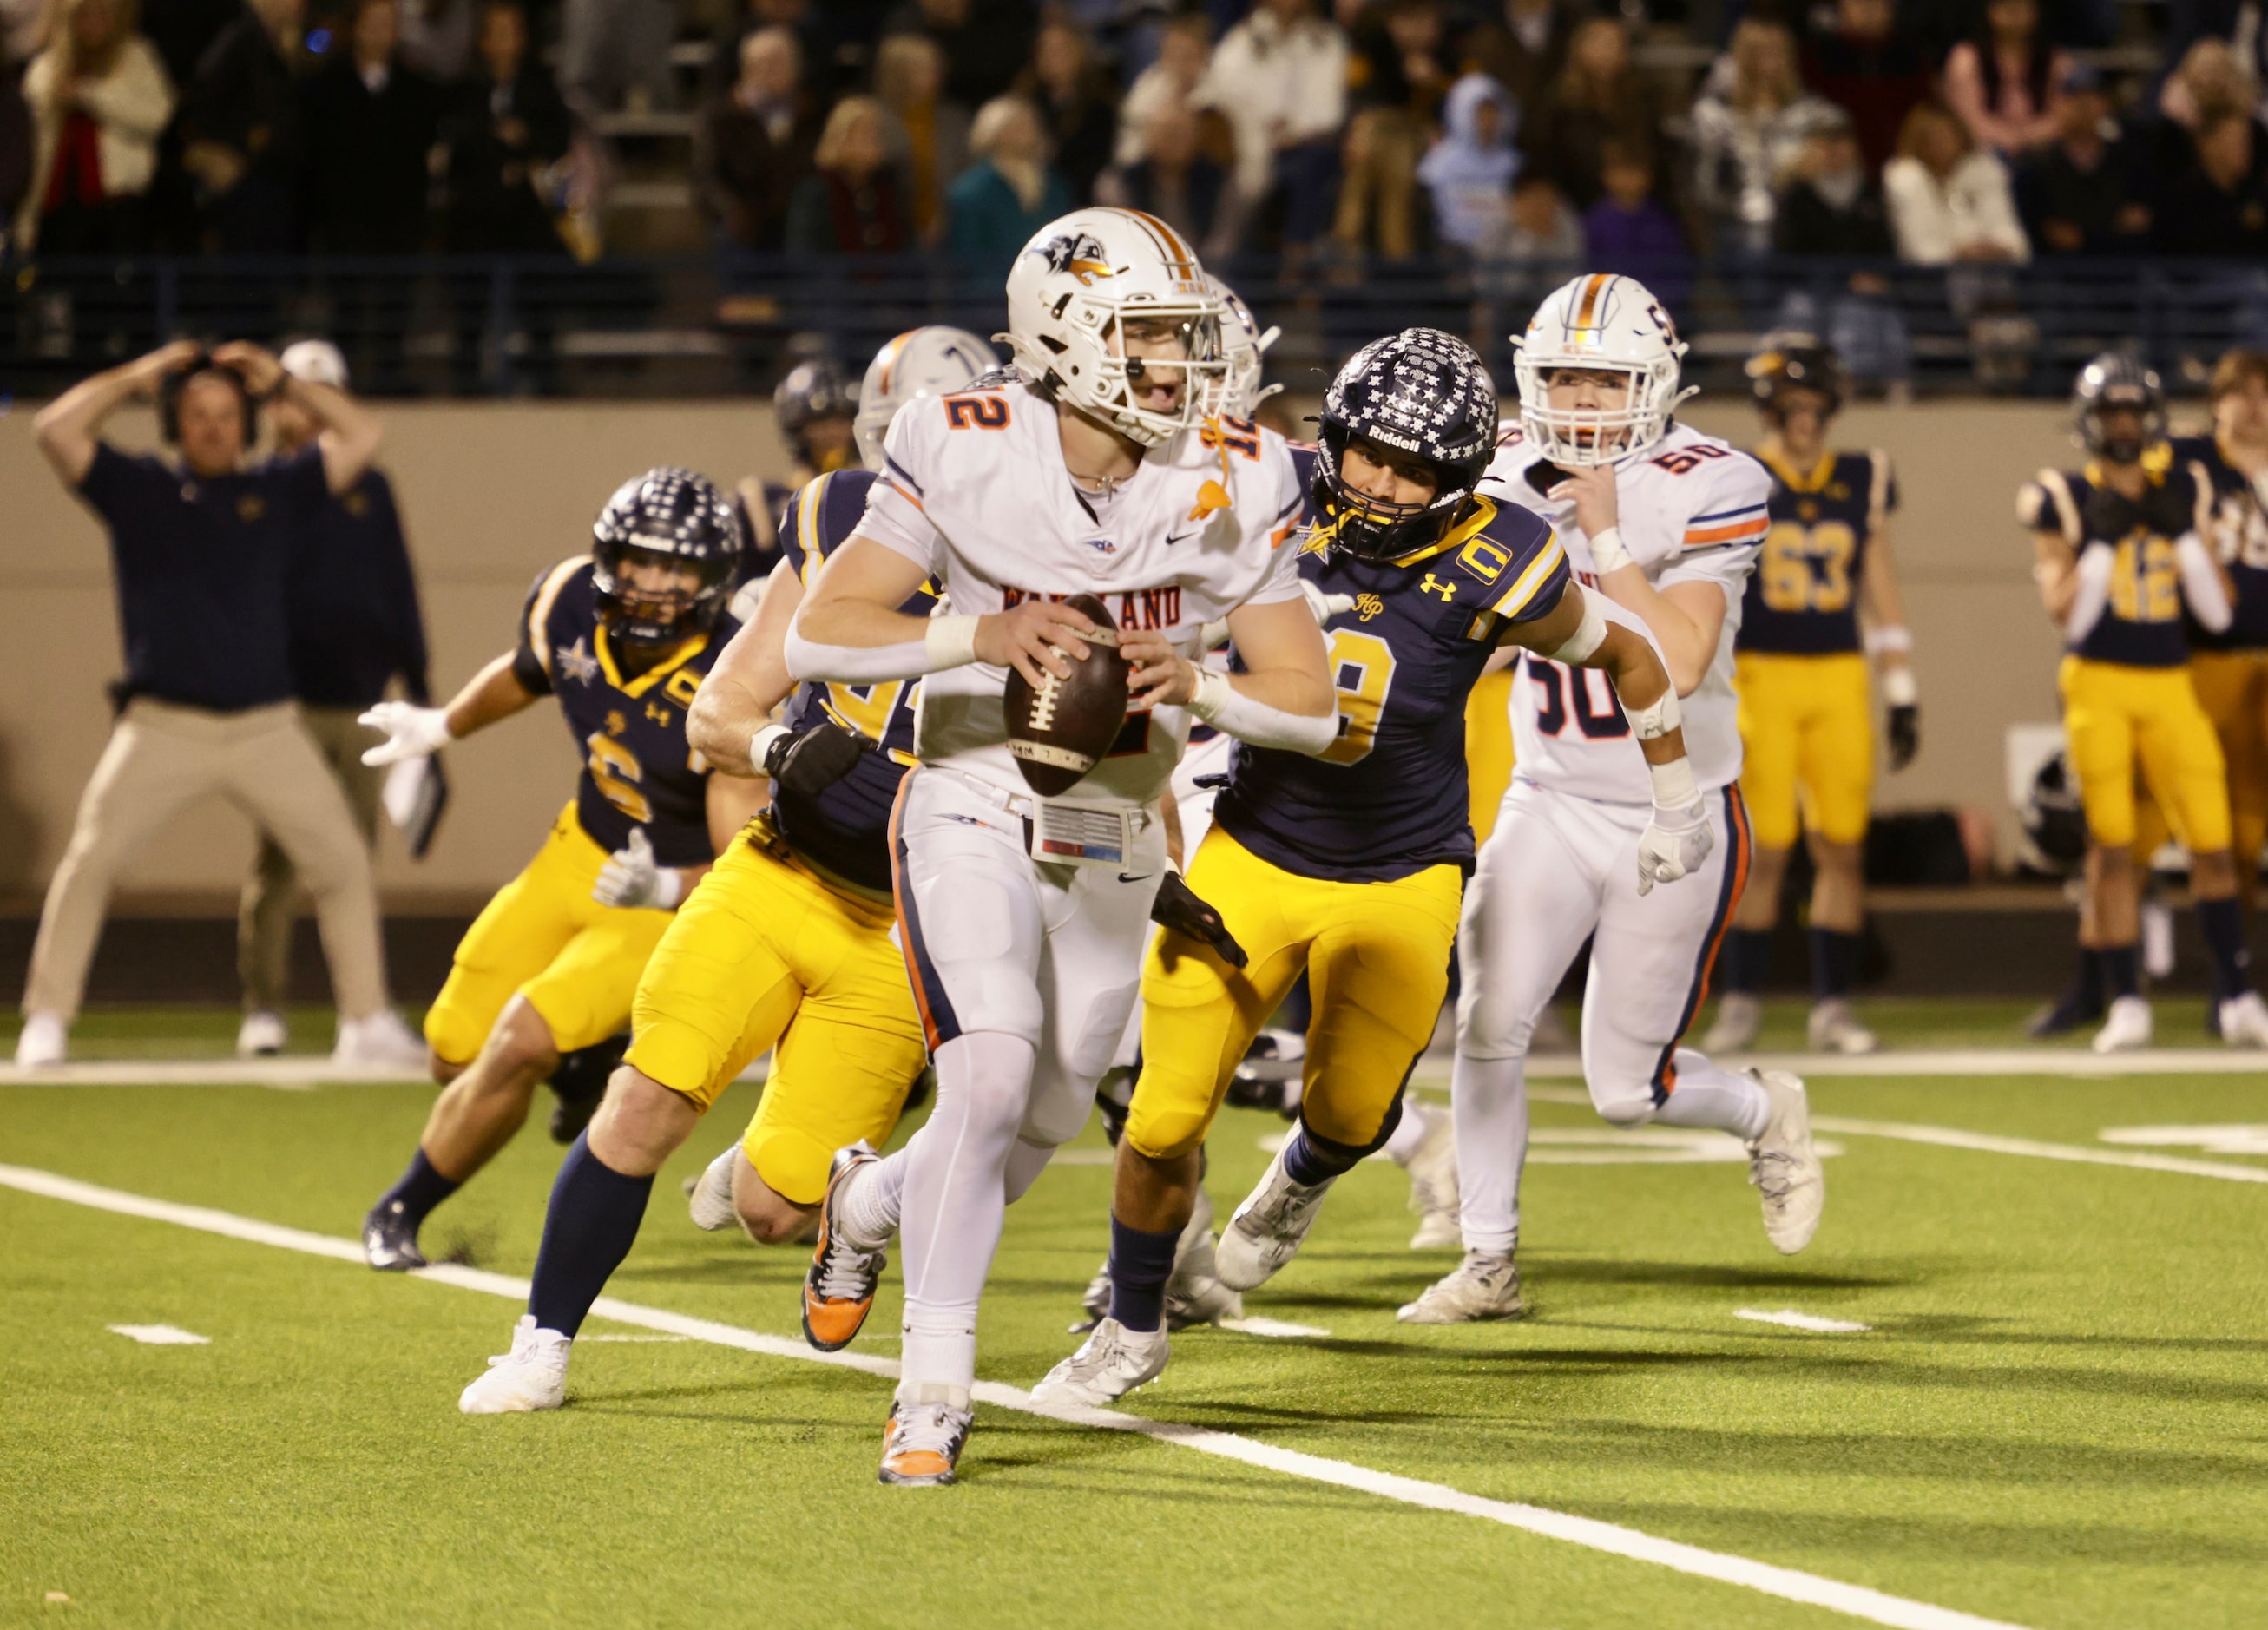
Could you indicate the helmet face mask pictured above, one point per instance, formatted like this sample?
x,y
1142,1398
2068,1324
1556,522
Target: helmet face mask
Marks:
x,y
662,556
921,361
652,595
1244,349
1604,325
1417,400
814,405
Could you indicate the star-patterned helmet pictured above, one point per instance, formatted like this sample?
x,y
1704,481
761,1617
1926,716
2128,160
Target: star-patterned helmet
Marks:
x,y
1420,393
675,520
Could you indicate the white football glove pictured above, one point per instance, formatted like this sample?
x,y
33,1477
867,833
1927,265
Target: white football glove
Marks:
x,y
1325,607
411,732
1674,845
631,877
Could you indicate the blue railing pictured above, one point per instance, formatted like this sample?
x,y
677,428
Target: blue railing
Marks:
x,y
490,325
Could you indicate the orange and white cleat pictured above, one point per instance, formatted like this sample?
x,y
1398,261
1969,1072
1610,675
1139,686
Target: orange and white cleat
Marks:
x,y
838,1292
922,1444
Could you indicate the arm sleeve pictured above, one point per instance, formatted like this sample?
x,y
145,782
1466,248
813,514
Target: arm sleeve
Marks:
x,y
895,517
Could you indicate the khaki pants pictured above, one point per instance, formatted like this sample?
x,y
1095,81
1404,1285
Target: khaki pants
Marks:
x,y
1381,189
159,760
269,902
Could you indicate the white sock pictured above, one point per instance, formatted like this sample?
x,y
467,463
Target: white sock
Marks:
x,y
955,1200
872,1199
1417,1118
1710,1097
1489,1099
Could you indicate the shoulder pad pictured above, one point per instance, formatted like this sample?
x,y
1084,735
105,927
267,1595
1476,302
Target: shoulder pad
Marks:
x,y
1512,554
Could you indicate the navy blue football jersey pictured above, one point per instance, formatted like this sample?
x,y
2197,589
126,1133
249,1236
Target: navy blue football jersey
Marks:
x,y
2141,625
638,769
2239,541
1803,599
845,829
1388,798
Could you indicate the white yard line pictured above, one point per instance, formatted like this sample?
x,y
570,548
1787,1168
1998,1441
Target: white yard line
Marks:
x,y
1811,1322
160,1335
1992,1143
1789,1584
1276,1328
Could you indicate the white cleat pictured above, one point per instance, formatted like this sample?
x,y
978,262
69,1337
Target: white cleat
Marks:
x,y
1785,1168
2126,1028
381,1040
1113,1363
1483,1285
1433,1168
533,1376
1194,1295
1739,1017
44,1042
2244,1021
1834,1028
1266,1231
709,1196
261,1035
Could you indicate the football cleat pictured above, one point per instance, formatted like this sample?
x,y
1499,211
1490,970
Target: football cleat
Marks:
x,y
1194,1295
1483,1285
922,1443
838,1292
533,1376
1785,1168
389,1239
1266,1231
1113,1363
2076,1006
1739,1017
2244,1021
1433,1168
261,1035
44,1040
709,1196
2127,1027
381,1040
1095,1303
1834,1028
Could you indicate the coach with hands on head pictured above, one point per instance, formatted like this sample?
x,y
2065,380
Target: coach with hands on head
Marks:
x,y
202,551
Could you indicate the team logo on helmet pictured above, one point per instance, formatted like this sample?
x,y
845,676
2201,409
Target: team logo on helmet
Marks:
x,y
1079,253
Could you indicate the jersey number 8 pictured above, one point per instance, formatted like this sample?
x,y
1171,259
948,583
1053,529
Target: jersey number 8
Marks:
x,y
1362,668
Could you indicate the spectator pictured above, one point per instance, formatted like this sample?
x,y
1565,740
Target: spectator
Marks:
x,y
1949,201
1535,245
203,553
615,54
1399,79
99,98
2211,78
1748,128
2081,196
1469,170
932,133
184,29
2239,24
371,122
1009,192
2006,82
23,31
1873,70
437,37
1077,102
984,41
241,130
1834,208
1598,98
1174,181
2215,199
852,201
755,145
1631,230
1181,77
356,631
1280,76
1523,52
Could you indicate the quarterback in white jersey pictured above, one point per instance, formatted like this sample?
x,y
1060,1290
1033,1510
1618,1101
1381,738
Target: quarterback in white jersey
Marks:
x,y
1098,464
1667,522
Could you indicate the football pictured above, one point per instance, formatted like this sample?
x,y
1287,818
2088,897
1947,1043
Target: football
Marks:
x,y
1059,731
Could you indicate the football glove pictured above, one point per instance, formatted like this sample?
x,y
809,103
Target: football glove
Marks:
x,y
1178,908
411,732
632,877
807,763
1674,844
1905,736
2111,516
2165,509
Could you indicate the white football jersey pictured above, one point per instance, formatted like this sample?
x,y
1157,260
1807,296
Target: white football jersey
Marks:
x,y
975,489
1692,509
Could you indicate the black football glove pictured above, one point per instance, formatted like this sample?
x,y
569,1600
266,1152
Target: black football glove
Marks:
x,y
1178,908
2165,509
811,761
1905,736
2111,515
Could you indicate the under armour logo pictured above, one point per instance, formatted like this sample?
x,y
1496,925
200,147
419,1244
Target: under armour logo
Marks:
x,y
1434,585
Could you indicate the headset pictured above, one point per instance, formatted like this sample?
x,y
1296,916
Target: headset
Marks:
x,y
169,398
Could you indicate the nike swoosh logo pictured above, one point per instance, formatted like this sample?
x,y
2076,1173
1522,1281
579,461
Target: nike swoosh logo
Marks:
x,y
1144,878
1173,538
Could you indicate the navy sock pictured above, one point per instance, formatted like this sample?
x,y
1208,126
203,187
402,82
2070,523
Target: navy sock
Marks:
x,y
418,1189
1834,963
1310,1161
1140,1264
1743,960
2090,974
2224,937
593,1223
2119,970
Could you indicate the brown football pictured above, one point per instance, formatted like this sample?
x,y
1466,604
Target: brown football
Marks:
x,y
1059,732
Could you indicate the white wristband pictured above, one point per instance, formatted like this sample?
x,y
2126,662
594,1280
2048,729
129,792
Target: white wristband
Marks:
x,y
1213,693
1606,551
1899,689
1674,785
668,888
1222,705
951,642
759,745
1658,718
1888,641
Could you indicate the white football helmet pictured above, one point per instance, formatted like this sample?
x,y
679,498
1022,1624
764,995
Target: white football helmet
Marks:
x,y
1600,322
1068,292
1245,348
921,361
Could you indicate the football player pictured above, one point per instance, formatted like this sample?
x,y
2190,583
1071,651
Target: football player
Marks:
x,y
1667,522
2121,554
621,637
1350,866
1806,712
815,406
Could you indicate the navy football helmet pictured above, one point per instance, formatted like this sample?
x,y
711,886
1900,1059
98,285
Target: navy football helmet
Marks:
x,y
2118,379
676,519
1794,362
814,390
1420,393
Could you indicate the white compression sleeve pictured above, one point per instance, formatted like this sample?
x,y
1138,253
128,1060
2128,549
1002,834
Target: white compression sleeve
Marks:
x,y
2201,584
947,642
2094,563
1221,705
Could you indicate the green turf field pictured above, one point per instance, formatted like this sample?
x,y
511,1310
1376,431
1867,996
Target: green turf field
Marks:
x,y
2055,1419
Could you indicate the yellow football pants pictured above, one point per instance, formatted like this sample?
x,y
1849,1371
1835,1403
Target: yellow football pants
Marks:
x,y
765,955
544,938
2118,719
1488,749
2232,687
1808,745
1377,957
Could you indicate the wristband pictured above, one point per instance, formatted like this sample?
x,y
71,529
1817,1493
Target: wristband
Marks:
x,y
1898,688
1606,551
1589,634
1212,694
1224,706
1658,718
1893,641
951,642
668,888
1674,785
760,745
